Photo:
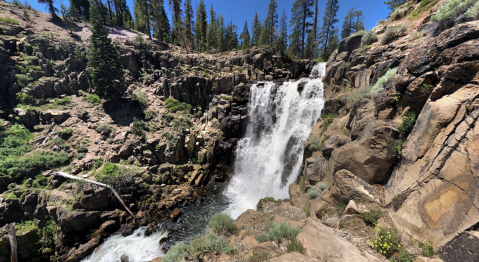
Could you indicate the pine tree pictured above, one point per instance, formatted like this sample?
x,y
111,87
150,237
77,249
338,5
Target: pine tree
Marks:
x,y
309,50
68,18
201,26
166,25
106,71
393,4
140,20
175,6
189,27
315,30
268,32
245,37
231,37
256,28
211,37
282,42
300,13
327,31
83,7
51,8
156,6
349,23
220,33
359,24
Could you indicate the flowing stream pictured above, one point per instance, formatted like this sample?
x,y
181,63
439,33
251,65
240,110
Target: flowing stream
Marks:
x,y
268,160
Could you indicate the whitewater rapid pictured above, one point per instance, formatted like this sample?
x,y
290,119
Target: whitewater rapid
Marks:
x,y
269,157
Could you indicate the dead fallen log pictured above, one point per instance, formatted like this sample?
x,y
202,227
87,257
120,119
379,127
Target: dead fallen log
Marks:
x,y
65,175
12,236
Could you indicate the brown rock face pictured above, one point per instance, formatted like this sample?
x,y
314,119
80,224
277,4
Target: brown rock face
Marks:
x,y
369,159
176,214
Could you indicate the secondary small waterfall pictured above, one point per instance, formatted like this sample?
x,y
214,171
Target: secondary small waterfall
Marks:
x,y
268,159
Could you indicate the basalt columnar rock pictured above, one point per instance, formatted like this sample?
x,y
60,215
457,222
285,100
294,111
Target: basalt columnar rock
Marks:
x,y
423,173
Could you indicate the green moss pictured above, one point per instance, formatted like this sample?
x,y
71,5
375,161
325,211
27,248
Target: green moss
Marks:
x,y
7,20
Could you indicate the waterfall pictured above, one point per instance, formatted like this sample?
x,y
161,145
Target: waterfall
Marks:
x,y
269,158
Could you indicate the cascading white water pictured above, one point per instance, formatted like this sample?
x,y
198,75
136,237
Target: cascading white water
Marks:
x,y
268,159
136,246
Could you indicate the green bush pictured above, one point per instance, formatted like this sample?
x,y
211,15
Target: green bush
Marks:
x,y
22,79
65,133
25,226
222,223
363,50
344,65
386,241
197,247
282,230
450,8
427,248
392,33
209,244
116,176
138,127
174,105
408,121
7,20
371,217
139,42
383,81
397,148
40,161
314,192
259,205
104,129
473,11
14,142
399,13
295,246
176,252
63,102
141,98
369,38
258,256
262,238
149,115
93,98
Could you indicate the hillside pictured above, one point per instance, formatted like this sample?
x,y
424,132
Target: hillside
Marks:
x,y
389,171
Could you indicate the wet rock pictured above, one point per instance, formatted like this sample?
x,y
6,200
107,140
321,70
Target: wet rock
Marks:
x,y
124,258
175,215
127,230
85,249
110,226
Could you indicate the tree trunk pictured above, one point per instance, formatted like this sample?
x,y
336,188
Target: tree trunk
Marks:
x,y
52,10
158,23
109,11
304,30
327,31
12,236
315,25
65,175
147,15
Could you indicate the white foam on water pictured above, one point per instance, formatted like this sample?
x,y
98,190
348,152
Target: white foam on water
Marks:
x,y
269,158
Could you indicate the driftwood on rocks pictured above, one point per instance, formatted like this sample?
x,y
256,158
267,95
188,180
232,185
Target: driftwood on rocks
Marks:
x,y
50,132
12,236
65,175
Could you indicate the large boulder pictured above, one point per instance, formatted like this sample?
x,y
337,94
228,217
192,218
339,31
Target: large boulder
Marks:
x,y
71,221
370,158
28,118
322,242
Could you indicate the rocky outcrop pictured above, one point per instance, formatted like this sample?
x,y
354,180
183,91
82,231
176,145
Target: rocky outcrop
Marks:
x,y
424,175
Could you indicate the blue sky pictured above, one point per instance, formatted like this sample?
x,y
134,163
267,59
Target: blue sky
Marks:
x,y
240,10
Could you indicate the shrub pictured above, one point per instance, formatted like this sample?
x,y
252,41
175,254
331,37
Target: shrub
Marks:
x,y
383,81
176,252
7,20
139,42
141,98
473,11
363,50
307,211
209,244
116,176
360,32
399,13
174,105
25,227
314,192
427,249
344,65
104,129
401,256
259,205
149,114
80,156
450,8
41,161
386,242
315,142
65,133
295,246
258,256
63,102
262,238
282,230
397,148
260,77
222,223
392,33
138,126
371,217
22,79
93,98
408,121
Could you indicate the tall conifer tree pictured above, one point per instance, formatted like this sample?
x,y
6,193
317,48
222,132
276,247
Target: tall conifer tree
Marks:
x,y
211,38
245,37
300,13
269,30
327,31
282,42
256,28
106,71
188,27
201,27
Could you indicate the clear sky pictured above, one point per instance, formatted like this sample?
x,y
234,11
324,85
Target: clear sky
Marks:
x,y
240,10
